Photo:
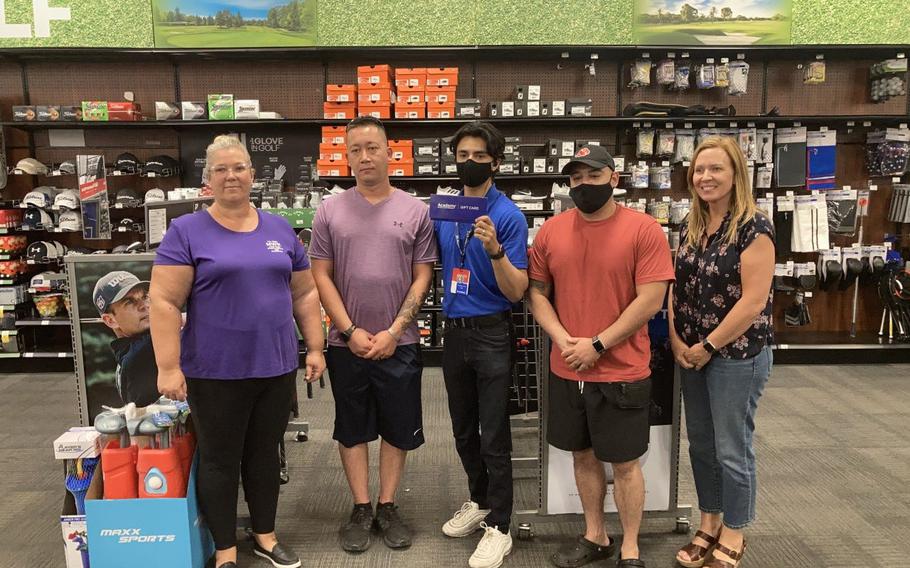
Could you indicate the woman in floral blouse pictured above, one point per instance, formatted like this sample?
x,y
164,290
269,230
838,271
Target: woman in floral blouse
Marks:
x,y
721,334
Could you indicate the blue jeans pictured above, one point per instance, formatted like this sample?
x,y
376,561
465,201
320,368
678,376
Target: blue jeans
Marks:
x,y
721,400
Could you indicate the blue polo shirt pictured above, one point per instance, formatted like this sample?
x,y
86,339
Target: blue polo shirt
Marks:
x,y
484,297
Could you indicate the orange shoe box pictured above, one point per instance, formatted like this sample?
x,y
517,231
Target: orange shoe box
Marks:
x,y
374,75
379,95
441,95
401,148
333,152
410,110
333,135
332,168
436,110
442,76
411,95
411,77
341,93
345,111
378,110
401,167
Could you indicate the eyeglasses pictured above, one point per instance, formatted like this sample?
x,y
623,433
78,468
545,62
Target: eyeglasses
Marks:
x,y
237,170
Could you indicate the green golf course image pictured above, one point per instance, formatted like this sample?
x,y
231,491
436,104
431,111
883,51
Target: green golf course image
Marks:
x,y
704,22
234,23
761,32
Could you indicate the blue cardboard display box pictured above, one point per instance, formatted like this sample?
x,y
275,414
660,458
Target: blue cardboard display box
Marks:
x,y
148,533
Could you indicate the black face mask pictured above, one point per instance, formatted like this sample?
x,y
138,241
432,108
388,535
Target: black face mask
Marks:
x,y
474,174
589,198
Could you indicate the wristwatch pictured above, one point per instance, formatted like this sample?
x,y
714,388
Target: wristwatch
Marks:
x,y
709,347
598,344
346,334
498,255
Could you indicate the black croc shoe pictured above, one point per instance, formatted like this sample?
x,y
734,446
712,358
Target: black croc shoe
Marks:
x,y
581,552
280,557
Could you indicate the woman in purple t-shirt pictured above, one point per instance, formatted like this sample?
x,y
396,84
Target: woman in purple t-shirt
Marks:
x,y
244,278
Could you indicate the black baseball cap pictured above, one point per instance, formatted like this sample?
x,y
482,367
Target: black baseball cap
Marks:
x,y
113,287
591,155
162,166
127,163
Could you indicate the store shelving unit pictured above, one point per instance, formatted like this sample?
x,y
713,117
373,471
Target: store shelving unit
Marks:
x,y
48,76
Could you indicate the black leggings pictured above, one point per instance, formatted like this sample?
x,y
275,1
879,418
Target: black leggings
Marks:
x,y
239,424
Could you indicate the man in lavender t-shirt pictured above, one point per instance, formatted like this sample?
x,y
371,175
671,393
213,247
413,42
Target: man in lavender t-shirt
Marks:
x,y
373,251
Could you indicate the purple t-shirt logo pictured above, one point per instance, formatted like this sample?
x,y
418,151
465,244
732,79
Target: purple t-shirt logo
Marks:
x,y
274,246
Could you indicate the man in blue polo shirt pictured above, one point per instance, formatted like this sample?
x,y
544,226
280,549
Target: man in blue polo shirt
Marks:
x,y
484,273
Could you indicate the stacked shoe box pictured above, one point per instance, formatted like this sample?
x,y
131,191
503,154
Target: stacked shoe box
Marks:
x,y
340,102
402,161
447,165
426,156
411,96
442,83
333,159
374,91
511,163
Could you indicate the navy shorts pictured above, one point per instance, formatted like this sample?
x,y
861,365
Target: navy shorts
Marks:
x,y
377,398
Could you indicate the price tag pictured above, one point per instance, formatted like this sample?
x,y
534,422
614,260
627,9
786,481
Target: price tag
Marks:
x,y
771,125
665,163
28,355
734,124
645,55
671,55
797,124
688,125
666,198
647,125
750,125
741,56
819,57
45,322
709,61
900,55
710,125
851,123
150,174
807,294
668,125
685,54
63,355
867,123
642,163
686,163
847,188
724,60
871,188
636,125
823,129
895,180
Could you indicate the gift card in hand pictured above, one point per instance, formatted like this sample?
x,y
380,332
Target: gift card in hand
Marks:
x,y
457,208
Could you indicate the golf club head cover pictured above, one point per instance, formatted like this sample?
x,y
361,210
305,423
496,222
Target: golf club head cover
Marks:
x,y
793,315
118,470
831,275
160,474
808,281
853,267
878,265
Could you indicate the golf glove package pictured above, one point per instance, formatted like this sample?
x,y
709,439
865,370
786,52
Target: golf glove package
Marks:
x,y
887,152
810,224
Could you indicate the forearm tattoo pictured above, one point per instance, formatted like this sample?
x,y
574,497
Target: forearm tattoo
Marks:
x,y
543,287
410,308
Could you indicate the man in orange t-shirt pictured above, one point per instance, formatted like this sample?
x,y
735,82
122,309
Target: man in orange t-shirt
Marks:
x,y
598,274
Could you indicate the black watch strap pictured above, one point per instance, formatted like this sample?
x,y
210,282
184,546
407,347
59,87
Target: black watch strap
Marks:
x,y
346,334
498,255
598,344
709,347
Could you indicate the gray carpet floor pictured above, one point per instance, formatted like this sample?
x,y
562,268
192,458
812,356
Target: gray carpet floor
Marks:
x,y
833,458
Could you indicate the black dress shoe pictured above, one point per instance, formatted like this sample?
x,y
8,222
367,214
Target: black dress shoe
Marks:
x,y
356,533
280,557
395,534
581,552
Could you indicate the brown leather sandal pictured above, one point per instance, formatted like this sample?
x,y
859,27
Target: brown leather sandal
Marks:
x,y
697,554
735,556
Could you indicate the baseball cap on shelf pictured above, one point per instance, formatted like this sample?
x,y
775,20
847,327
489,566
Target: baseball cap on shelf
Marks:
x,y
66,199
127,163
37,219
113,287
70,221
41,251
126,197
154,195
591,155
48,281
161,166
67,167
31,166
40,197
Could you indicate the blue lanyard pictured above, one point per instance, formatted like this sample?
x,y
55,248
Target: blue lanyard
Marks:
x,y
462,249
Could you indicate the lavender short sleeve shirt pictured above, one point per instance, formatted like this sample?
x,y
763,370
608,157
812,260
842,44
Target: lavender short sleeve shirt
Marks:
x,y
240,320
374,248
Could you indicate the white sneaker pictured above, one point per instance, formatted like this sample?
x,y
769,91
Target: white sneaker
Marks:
x,y
466,520
492,549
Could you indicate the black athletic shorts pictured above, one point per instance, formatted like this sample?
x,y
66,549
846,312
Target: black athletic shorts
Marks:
x,y
377,398
612,418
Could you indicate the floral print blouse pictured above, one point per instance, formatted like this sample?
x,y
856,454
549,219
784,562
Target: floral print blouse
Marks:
x,y
709,283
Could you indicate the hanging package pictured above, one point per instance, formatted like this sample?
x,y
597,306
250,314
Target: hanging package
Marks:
x,y
666,72
739,78
681,76
814,73
644,147
666,140
704,77
821,152
641,73
685,146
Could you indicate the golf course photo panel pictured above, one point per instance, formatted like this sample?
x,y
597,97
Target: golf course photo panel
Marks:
x,y
712,22
234,23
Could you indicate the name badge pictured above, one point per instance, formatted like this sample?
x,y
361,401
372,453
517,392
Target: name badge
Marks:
x,y
461,281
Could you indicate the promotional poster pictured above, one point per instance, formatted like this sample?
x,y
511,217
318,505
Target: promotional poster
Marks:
x,y
116,359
